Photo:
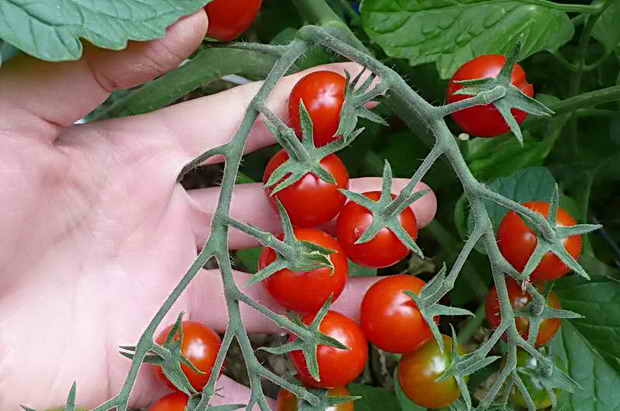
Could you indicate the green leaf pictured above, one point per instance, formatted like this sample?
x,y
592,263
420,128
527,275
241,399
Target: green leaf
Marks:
x,y
451,32
373,398
588,368
249,258
356,270
529,184
499,157
598,301
606,29
51,29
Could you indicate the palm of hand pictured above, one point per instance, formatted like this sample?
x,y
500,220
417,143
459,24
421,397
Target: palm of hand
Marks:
x,y
110,236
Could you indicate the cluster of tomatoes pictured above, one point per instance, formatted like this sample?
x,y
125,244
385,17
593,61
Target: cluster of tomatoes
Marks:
x,y
389,317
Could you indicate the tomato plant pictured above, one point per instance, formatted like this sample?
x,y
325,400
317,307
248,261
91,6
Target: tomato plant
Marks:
x,y
286,401
517,242
418,371
485,120
537,392
307,291
389,317
175,401
310,201
337,367
519,299
385,248
229,18
200,346
323,95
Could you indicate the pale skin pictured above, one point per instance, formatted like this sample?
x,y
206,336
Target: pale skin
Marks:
x,y
95,231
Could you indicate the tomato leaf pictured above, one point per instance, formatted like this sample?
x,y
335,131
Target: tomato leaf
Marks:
x,y
595,373
51,29
373,398
606,27
450,33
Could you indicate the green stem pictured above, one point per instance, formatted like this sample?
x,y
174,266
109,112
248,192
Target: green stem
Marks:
x,y
316,12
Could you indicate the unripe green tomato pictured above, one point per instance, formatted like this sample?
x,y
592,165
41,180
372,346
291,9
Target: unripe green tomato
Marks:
x,y
539,394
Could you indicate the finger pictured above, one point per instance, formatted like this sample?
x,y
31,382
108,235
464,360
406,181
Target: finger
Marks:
x,y
210,121
80,86
251,206
206,292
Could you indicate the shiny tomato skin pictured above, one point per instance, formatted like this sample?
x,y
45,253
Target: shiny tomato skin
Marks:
x,y
286,401
200,346
323,95
336,367
310,201
517,242
385,248
418,370
485,120
176,401
307,291
228,19
390,319
519,299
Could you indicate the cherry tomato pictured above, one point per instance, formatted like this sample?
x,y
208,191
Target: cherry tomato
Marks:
x,y
385,248
337,367
539,394
390,319
418,370
485,120
517,242
286,401
229,18
171,402
310,201
200,346
307,291
323,95
519,299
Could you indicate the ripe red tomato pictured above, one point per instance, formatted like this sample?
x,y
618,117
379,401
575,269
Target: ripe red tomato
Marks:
x,y
307,291
200,346
390,319
418,370
171,402
286,401
323,95
310,201
518,300
517,242
485,120
383,250
336,367
229,18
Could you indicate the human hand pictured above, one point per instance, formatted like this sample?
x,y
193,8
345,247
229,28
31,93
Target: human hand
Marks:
x,y
95,230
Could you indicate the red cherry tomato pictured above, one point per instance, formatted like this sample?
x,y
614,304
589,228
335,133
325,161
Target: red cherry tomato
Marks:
x,y
485,120
390,319
286,401
229,18
171,402
517,242
385,248
337,367
307,291
200,346
518,300
310,201
418,371
323,95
